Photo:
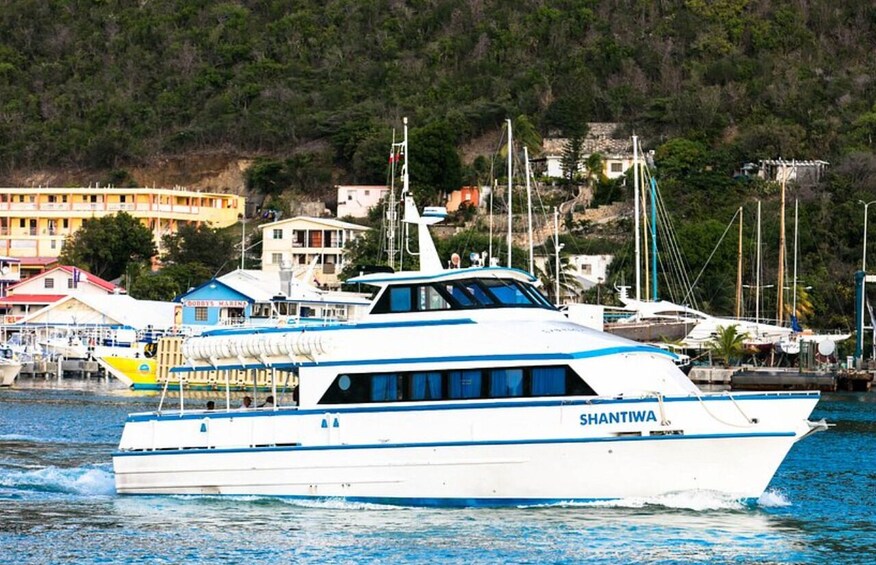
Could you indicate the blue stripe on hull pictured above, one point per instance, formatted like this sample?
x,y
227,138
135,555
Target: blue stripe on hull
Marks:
x,y
299,448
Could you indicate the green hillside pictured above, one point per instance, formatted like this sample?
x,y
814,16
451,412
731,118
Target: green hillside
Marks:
x,y
105,85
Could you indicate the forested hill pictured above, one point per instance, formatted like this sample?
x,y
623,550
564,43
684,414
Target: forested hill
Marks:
x,y
104,84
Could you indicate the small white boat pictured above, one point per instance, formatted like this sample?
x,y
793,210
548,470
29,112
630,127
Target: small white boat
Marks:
x,y
10,366
461,387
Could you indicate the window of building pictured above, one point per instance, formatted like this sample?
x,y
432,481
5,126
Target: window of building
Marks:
x,y
277,234
48,282
70,282
66,223
349,196
276,258
617,167
367,193
22,223
200,313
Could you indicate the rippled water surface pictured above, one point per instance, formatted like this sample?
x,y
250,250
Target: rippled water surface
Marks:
x,y
58,504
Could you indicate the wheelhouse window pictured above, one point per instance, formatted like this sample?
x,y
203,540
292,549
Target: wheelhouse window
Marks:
x,y
459,295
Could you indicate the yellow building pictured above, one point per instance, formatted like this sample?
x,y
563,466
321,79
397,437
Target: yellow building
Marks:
x,y
35,221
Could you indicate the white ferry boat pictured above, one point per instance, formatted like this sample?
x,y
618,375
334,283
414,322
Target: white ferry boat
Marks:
x,y
460,387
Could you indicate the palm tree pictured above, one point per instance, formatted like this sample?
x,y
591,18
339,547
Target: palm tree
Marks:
x,y
728,343
548,277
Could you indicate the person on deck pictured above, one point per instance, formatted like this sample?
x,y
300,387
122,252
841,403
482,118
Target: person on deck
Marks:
x,y
246,404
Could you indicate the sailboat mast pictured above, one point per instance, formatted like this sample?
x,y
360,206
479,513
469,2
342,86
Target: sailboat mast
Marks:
x,y
757,274
638,252
510,184
529,209
405,187
739,270
654,239
794,284
780,314
645,232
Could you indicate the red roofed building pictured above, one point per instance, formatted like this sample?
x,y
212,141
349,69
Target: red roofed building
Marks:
x,y
46,288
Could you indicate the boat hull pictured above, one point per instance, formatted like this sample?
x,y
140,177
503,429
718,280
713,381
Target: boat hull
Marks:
x,y
8,373
739,467
547,453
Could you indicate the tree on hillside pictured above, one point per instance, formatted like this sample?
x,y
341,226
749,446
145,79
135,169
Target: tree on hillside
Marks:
x,y
104,246
211,247
154,286
435,166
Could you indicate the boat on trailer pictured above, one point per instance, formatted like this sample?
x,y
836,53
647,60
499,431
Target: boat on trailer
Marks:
x,y
460,387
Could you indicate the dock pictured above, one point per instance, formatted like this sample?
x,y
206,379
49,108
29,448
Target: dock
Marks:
x,y
67,368
784,378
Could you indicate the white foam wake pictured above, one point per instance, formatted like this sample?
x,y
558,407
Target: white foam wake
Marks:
x,y
75,480
698,500
773,499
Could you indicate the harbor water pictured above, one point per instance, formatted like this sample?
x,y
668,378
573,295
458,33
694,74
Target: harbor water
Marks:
x,y
59,505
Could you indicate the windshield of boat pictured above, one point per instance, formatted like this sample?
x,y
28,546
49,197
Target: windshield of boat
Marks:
x,y
461,294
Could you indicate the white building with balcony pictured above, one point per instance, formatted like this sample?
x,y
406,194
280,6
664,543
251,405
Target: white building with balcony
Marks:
x,y
356,201
301,241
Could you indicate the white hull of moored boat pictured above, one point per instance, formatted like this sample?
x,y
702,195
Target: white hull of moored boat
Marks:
x,y
560,451
8,372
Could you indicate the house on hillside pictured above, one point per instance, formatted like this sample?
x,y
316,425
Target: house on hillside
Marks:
x,y
801,173
604,138
357,201
303,241
468,195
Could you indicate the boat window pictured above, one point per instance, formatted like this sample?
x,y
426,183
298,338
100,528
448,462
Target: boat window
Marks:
x,y
400,299
425,386
418,386
384,388
548,381
506,383
460,295
507,292
430,298
464,384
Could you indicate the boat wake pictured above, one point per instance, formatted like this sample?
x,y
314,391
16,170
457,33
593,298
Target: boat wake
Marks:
x,y
696,500
90,480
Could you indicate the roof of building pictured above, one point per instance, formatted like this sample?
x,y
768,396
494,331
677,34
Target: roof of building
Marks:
x,y
37,261
109,309
262,286
363,186
85,277
31,298
328,222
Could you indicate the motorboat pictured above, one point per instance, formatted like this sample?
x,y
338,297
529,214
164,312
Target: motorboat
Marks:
x,y
459,387
10,366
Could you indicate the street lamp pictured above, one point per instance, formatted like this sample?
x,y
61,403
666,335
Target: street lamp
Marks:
x,y
864,257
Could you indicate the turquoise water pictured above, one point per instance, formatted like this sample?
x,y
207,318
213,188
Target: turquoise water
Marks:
x,y
59,505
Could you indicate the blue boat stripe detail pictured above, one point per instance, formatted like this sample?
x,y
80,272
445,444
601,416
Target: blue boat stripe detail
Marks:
x,y
610,439
431,502
458,358
471,405
338,326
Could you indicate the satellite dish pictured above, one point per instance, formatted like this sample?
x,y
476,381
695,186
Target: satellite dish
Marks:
x,y
4,269
826,347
